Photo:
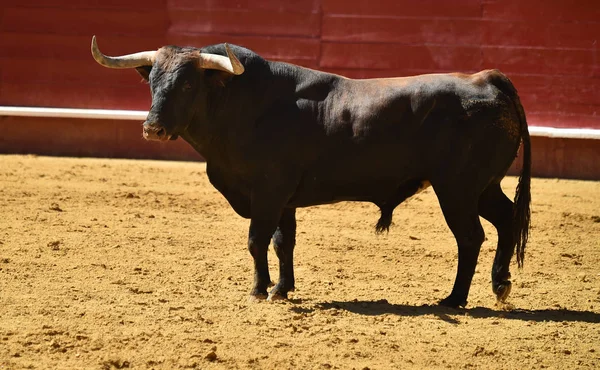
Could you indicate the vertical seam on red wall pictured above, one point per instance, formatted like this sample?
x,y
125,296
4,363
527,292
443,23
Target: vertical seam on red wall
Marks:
x,y
481,56
320,36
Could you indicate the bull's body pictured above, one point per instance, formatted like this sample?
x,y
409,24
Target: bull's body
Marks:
x,y
279,137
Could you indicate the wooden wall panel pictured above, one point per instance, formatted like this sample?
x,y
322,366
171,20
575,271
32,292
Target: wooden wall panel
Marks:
x,y
396,56
95,138
561,120
75,96
406,8
548,62
548,10
243,17
75,47
52,70
244,22
404,30
559,88
302,6
563,158
540,33
148,22
94,4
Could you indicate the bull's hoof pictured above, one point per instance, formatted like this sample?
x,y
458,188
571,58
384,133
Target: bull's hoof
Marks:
x,y
277,296
453,302
279,293
257,297
502,291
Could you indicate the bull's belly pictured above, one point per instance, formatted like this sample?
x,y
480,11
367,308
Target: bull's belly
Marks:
x,y
318,198
378,191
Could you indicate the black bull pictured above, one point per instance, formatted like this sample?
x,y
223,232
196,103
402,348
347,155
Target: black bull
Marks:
x,y
277,136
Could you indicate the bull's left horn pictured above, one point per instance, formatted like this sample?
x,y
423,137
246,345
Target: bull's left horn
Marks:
x,y
230,63
144,58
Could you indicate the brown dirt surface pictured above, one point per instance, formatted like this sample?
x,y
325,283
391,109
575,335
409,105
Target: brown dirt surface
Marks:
x,y
142,264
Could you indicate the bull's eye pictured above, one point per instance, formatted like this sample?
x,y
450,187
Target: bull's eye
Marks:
x,y
187,86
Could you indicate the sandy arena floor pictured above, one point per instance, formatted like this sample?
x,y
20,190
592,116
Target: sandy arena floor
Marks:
x,y
142,264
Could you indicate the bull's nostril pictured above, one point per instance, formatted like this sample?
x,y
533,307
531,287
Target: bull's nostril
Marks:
x,y
154,131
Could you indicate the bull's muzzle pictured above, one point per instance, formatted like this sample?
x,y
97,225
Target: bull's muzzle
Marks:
x,y
156,132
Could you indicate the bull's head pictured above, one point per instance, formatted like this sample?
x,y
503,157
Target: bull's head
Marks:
x,y
177,87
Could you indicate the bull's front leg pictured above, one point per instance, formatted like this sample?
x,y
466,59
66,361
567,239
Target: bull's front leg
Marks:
x,y
267,208
268,199
259,238
284,241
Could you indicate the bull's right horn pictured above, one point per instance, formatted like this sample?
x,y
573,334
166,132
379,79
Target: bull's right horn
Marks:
x,y
230,63
144,58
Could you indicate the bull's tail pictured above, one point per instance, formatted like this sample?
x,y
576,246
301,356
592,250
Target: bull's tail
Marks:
x,y
522,202
521,211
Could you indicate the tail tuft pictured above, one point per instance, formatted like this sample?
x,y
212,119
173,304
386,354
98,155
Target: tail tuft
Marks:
x,y
384,221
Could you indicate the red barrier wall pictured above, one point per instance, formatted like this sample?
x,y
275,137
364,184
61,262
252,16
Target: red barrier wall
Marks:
x,y
548,47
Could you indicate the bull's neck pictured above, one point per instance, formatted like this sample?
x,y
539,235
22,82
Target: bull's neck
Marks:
x,y
235,110
303,83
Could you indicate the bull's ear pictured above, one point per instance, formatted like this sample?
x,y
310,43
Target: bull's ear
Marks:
x,y
144,71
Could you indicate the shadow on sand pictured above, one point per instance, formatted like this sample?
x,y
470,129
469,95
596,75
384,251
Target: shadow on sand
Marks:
x,y
374,308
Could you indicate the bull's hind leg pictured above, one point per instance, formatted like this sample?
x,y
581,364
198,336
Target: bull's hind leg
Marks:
x,y
495,207
460,211
284,240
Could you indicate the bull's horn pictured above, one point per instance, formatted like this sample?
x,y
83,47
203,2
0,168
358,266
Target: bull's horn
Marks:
x,y
230,63
145,58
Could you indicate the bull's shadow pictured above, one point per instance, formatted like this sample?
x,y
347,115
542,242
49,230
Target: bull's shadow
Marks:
x,y
374,308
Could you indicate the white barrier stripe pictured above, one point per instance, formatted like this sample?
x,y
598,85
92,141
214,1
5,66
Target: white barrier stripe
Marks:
x,y
138,115
565,133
